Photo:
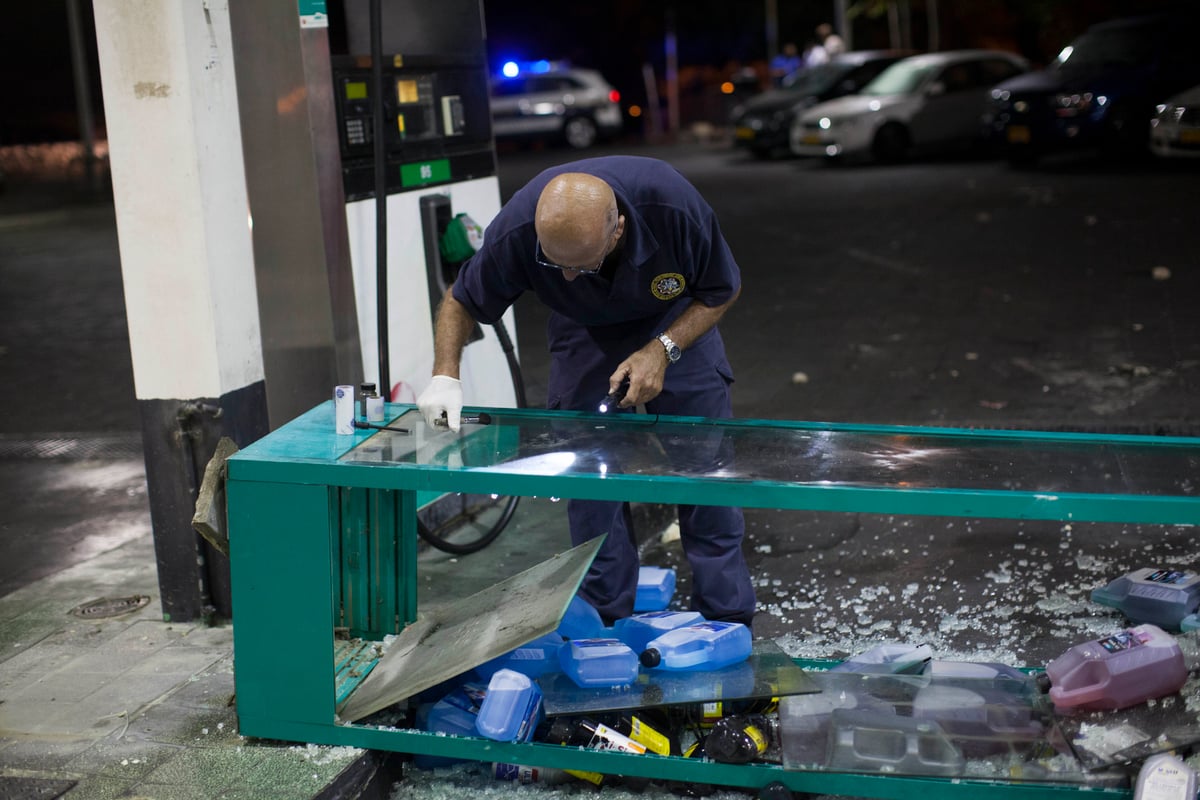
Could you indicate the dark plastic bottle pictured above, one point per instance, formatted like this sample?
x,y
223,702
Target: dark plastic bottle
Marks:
x,y
594,735
741,738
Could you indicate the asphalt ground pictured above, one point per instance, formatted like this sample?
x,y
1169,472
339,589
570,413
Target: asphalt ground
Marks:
x,y
946,293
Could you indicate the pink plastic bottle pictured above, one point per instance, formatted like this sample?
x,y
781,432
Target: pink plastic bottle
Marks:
x,y
1118,671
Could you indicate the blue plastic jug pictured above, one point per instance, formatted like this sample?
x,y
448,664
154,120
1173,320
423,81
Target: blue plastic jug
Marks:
x,y
511,709
706,645
1159,596
581,621
655,589
454,714
534,658
638,630
598,662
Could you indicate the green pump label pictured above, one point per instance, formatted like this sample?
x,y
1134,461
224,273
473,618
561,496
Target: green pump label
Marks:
x,y
424,172
313,14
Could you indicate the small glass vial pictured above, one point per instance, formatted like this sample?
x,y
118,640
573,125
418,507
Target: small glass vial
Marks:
x,y
372,403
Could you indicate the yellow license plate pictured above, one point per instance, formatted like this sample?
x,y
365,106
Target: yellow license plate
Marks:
x,y
812,138
1019,134
1189,136
743,133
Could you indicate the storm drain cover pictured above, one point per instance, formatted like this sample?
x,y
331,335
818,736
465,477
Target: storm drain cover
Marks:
x,y
110,606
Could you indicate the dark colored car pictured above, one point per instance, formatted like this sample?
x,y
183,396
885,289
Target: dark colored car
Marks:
x,y
1101,92
763,124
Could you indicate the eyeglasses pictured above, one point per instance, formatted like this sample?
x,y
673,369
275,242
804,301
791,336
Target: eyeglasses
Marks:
x,y
540,257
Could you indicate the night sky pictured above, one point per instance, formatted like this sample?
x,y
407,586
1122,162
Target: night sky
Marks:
x,y
618,37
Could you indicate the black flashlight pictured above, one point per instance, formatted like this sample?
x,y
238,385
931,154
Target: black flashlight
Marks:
x,y
611,399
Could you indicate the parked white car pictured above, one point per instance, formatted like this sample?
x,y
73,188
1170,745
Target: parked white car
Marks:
x,y
924,103
1175,129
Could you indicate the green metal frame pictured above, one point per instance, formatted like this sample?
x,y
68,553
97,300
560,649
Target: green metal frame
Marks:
x,y
320,542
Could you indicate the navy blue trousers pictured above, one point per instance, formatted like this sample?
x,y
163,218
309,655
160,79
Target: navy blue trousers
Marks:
x,y
711,536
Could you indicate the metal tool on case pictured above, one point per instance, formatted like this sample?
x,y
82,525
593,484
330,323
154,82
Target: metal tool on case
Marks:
x,y
482,418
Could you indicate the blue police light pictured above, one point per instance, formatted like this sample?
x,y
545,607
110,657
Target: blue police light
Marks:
x,y
513,68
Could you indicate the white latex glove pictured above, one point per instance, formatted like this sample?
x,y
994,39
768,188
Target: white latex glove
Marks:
x,y
443,395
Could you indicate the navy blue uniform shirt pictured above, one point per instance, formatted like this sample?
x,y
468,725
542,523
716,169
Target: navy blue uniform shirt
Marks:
x,y
672,253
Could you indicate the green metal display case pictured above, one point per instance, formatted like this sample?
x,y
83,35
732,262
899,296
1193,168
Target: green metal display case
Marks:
x,y
323,542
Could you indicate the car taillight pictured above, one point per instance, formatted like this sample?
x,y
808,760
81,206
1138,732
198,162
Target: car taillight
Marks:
x,y
614,96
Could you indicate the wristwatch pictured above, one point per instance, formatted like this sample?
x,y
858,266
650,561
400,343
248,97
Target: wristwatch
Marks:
x,y
673,351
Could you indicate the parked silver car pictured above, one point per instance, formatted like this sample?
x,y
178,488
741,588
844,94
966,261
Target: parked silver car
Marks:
x,y
763,123
928,102
577,106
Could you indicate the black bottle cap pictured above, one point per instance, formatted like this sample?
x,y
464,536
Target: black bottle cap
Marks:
x,y
1043,682
650,658
560,731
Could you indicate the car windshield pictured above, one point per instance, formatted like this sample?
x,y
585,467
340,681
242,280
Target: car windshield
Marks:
x,y
818,79
1107,47
903,77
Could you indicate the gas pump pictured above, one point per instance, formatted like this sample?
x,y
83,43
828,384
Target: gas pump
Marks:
x,y
439,162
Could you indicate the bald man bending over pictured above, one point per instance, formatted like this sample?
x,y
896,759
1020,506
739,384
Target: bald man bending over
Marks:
x,y
631,262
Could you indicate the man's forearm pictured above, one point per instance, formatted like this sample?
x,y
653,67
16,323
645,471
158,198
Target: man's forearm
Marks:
x,y
697,320
450,333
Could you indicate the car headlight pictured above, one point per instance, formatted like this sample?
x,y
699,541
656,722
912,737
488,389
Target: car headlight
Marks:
x,y
834,122
1169,113
1068,104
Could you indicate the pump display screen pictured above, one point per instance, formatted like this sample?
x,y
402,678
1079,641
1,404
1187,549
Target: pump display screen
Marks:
x,y
408,91
434,112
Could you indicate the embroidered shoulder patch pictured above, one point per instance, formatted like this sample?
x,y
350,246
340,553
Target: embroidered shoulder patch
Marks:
x,y
667,286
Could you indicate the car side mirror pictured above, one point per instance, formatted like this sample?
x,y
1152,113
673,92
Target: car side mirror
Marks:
x,y
935,89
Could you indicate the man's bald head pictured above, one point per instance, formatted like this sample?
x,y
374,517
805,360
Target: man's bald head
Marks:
x,y
575,219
